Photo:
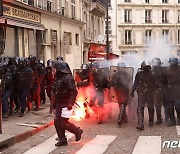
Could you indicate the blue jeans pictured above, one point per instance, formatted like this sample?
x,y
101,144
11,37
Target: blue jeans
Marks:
x,y
5,103
22,95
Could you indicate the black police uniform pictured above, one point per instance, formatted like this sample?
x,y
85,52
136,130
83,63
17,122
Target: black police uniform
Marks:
x,y
144,84
63,96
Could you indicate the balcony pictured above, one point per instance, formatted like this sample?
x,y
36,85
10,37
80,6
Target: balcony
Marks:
x,y
98,7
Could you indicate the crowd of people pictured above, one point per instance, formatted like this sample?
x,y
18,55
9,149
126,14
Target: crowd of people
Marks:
x,y
24,81
27,80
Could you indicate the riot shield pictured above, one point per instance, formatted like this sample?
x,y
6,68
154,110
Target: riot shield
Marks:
x,y
100,80
81,77
121,82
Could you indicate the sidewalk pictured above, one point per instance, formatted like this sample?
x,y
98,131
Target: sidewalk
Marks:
x,y
17,129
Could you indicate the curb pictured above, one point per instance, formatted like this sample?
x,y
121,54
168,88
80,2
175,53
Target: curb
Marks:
x,y
23,136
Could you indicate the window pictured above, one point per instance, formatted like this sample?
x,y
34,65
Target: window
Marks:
x,y
146,1
127,16
44,36
68,38
127,0
178,37
31,2
165,35
164,1
128,37
178,1
40,3
49,3
148,35
109,3
148,16
77,39
73,11
178,16
164,16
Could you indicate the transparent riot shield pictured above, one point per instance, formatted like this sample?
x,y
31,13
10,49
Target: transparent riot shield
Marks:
x,y
121,82
100,80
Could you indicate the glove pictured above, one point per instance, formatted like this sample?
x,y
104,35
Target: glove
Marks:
x,y
69,107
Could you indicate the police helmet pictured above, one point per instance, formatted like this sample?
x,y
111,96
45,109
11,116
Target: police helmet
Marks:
x,y
145,65
21,63
27,62
41,62
156,62
85,66
95,64
59,58
61,66
32,59
15,60
50,63
121,64
173,61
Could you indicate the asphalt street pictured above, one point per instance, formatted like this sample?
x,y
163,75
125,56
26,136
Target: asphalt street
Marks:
x,y
107,138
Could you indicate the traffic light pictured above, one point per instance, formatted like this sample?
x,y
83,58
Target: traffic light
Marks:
x,y
1,7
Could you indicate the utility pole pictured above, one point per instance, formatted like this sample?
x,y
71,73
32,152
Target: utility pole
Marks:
x,y
107,29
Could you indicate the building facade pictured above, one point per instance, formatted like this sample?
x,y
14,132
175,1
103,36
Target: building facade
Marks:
x,y
51,28
140,22
93,15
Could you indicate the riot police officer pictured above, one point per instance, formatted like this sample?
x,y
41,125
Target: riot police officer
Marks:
x,y
49,78
8,80
143,84
12,66
100,81
37,76
24,83
63,97
173,89
121,81
158,93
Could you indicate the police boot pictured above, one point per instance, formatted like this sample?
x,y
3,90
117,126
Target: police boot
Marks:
x,y
73,129
122,115
151,116
59,130
62,142
140,117
178,113
159,117
172,116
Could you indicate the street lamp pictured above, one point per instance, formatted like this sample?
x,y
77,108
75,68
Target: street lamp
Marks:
x,y
107,29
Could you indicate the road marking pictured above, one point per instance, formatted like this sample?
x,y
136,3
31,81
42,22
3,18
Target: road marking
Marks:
x,y
148,145
47,146
98,145
178,130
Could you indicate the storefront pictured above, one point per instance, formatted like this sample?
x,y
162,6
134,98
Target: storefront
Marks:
x,y
97,52
23,31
